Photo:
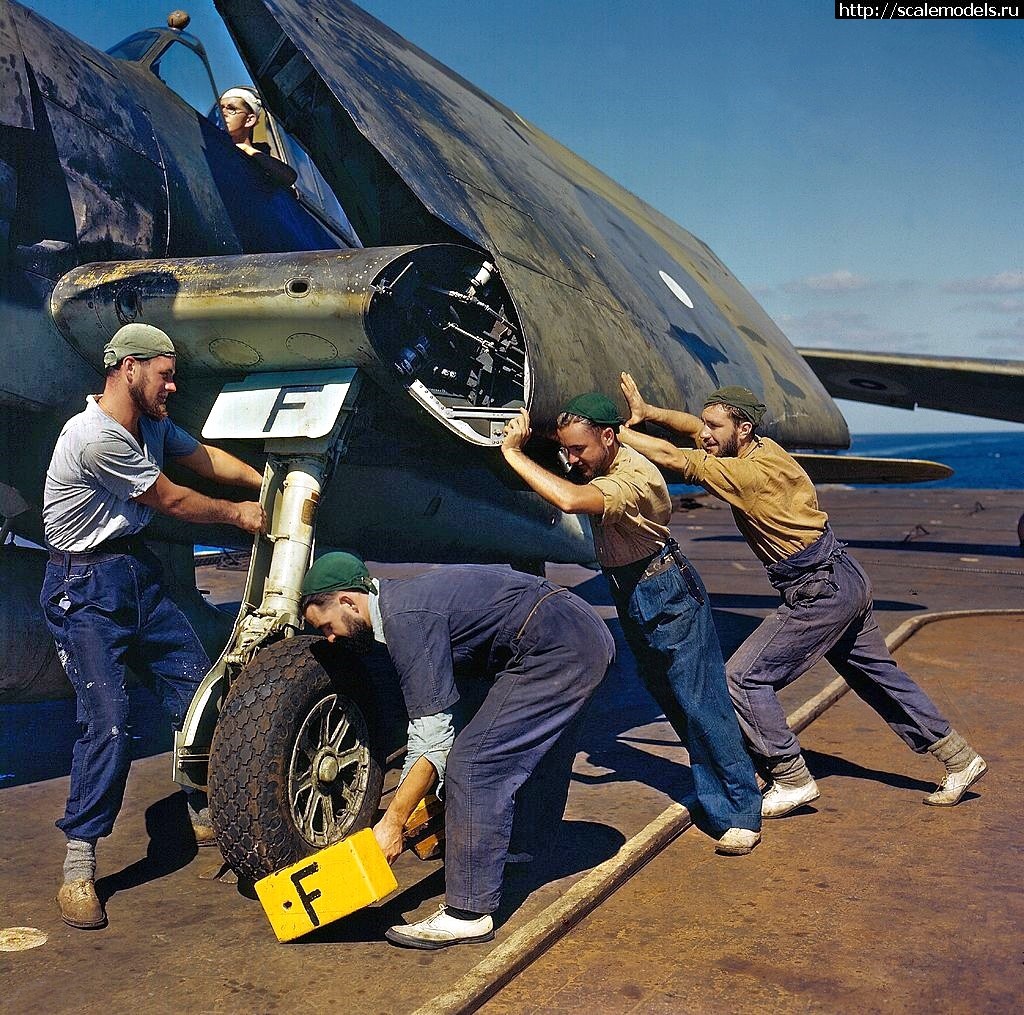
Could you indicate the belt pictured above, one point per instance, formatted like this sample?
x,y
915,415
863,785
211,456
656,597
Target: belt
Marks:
x,y
625,578
111,548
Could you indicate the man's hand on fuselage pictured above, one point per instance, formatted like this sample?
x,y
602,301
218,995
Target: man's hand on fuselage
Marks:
x,y
642,411
638,408
517,433
564,494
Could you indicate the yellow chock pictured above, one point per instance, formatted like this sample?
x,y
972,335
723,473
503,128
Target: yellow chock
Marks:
x,y
326,886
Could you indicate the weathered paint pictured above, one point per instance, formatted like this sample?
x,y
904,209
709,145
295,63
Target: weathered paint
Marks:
x,y
580,255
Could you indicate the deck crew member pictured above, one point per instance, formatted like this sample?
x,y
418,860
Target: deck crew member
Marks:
x,y
661,602
826,608
102,594
543,650
241,109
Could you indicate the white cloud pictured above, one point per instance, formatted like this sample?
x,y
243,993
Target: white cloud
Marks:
x,y
851,329
1004,282
841,281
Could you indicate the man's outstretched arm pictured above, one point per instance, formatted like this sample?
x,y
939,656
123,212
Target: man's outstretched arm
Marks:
x,y
214,463
565,495
641,411
654,449
191,506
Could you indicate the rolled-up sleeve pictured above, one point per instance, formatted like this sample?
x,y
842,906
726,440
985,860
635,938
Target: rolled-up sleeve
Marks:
x,y
620,498
430,737
736,480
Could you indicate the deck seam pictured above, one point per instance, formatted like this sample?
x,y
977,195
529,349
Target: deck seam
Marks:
x,y
528,943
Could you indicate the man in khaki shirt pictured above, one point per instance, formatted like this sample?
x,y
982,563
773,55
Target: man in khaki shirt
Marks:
x,y
662,605
826,606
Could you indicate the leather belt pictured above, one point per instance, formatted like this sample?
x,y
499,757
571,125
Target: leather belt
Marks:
x,y
111,548
626,578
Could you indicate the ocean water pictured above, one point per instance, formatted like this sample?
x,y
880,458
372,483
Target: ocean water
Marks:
x,y
980,461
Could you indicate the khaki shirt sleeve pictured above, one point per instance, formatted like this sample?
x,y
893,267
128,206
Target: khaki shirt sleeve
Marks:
x,y
619,496
736,480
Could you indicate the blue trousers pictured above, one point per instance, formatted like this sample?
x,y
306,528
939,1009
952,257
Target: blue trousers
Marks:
x,y
826,611
104,617
512,762
668,625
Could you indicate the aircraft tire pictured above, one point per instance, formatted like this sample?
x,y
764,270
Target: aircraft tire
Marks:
x,y
297,760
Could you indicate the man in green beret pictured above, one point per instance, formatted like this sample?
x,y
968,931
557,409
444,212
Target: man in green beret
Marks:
x,y
826,606
542,650
661,601
103,597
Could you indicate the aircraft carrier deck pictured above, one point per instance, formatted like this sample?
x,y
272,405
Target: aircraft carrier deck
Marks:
x,y
864,901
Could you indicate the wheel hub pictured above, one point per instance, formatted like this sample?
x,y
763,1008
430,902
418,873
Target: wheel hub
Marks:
x,y
328,771
327,767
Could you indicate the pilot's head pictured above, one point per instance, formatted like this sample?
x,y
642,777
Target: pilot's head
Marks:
x,y
142,358
731,417
588,430
240,108
336,600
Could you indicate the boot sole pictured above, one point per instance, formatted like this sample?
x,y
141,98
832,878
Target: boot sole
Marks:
x,y
84,926
410,942
953,803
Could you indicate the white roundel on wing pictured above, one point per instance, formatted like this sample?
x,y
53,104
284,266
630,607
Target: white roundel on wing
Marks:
x,y
677,290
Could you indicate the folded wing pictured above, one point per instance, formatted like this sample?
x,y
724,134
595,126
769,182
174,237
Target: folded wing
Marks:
x,y
974,387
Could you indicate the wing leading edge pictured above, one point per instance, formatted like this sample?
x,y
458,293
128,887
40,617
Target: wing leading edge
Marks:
x,y
990,388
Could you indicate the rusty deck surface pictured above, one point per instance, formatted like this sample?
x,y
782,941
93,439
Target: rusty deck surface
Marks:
x,y
871,902
863,901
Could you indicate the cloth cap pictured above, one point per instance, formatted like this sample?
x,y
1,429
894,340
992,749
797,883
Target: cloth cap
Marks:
x,y
247,95
337,572
742,399
596,407
142,341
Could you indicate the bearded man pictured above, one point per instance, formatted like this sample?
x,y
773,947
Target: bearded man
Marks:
x,y
542,652
102,595
826,608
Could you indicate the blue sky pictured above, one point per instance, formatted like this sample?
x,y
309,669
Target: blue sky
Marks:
x,y
862,178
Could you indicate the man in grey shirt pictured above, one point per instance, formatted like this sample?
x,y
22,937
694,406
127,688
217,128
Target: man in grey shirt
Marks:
x,y
102,595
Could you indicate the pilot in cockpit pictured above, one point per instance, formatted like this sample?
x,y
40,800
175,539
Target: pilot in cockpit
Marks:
x,y
241,108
